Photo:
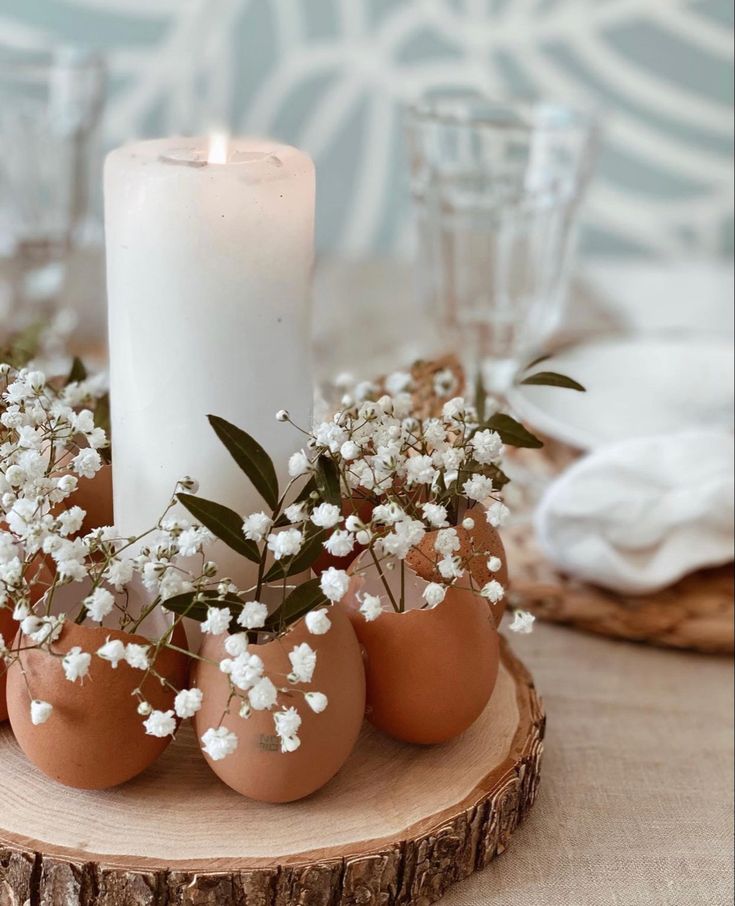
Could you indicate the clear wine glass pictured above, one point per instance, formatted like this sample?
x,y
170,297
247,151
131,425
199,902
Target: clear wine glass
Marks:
x,y
496,188
50,102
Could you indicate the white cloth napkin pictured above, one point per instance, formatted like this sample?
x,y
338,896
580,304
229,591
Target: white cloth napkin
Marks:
x,y
638,515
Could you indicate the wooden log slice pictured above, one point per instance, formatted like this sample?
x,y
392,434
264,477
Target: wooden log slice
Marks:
x,y
398,825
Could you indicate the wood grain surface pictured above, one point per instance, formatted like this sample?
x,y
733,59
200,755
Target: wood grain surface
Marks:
x,y
398,825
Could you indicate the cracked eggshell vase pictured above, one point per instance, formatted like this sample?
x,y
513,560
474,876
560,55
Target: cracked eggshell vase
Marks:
x,y
94,738
479,544
257,768
430,672
9,627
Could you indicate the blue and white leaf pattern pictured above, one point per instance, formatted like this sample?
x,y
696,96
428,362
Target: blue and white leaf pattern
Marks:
x,y
331,76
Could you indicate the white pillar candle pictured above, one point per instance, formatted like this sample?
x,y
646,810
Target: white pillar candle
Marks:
x,y
209,258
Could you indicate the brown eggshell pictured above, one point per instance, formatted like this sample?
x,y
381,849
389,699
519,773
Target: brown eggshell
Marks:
x,y
40,570
483,539
94,738
8,629
430,672
258,768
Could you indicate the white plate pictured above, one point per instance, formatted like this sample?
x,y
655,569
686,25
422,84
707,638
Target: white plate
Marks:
x,y
635,387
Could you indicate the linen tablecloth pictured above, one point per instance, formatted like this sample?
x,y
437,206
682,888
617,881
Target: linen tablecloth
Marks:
x,y
635,804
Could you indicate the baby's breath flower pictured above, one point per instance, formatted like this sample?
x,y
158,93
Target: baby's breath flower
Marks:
x,y
435,514
76,664
487,446
478,487
160,723
191,540
493,591
388,513
371,607
303,663
450,568
87,463
253,615
447,541
340,543
99,604
119,573
296,513
285,543
494,564
188,702
298,464
287,724
434,594
70,520
497,514
334,583
219,742
245,671
326,515
218,619
282,415
420,470
349,450
137,656
317,621
522,622
237,643
40,712
454,410
263,695
113,651
256,526
317,701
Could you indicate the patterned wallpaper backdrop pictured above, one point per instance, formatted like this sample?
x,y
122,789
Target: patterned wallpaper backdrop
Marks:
x,y
331,75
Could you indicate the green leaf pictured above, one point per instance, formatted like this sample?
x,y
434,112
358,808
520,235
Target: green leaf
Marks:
x,y
300,601
250,457
311,549
512,432
102,413
195,604
78,372
500,479
223,522
553,379
542,358
480,397
327,480
184,606
102,420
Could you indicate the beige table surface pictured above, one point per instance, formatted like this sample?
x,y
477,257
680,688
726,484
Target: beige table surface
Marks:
x,y
635,805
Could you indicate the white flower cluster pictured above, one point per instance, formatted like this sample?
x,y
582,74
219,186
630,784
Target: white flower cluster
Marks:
x,y
417,475
49,445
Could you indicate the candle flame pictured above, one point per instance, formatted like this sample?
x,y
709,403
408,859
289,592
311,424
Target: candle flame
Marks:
x,y
218,148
